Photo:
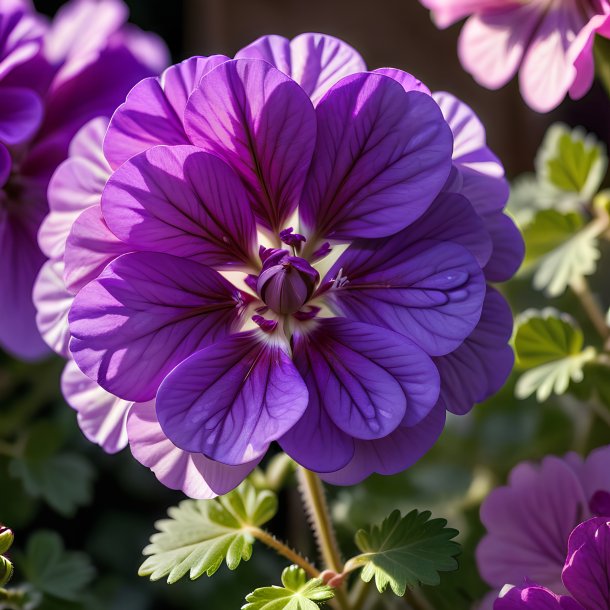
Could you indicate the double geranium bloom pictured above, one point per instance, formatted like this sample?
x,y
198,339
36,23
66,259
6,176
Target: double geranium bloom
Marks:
x,y
586,575
292,249
54,77
550,42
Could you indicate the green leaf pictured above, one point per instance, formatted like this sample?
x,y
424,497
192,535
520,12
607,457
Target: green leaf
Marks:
x,y
63,480
550,344
561,249
297,593
53,571
572,161
601,51
201,534
406,551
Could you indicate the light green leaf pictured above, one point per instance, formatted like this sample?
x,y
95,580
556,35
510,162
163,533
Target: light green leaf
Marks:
x,y
201,534
572,161
406,551
561,249
550,344
297,593
63,480
52,570
601,51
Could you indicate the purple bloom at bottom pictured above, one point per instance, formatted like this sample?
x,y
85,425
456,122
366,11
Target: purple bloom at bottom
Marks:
x,y
287,249
586,575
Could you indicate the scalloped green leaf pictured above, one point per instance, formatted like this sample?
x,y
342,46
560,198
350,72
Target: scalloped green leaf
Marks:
x,y
297,593
202,534
572,161
406,551
561,249
550,344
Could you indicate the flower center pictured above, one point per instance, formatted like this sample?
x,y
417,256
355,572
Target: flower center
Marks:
x,y
286,282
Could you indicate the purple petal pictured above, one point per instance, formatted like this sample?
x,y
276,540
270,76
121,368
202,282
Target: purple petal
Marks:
x,y
154,109
20,262
182,201
508,248
145,314
194,474
382,155
481,365
263,125
314,61
6,164
487,194
593,472
232,399
53,302
586,574
534,598
523,541
363,381
77,184
432,292
408,81
20,114
101,416
392,454
89,248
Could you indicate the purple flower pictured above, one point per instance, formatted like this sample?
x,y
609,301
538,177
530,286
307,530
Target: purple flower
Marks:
x,y
194,288
529,521
550,42
586,575
53,79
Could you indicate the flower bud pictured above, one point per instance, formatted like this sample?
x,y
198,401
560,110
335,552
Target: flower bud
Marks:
x,y
6,571
6,539
286,282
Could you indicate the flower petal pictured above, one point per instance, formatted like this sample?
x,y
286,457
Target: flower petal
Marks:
x,y
429,291
586,574
382,156
481,365
447,12
508,248
534,598
145,314
89,248
367,379
314,61
101,416
392,454
408,81
53,302
263,125
76,185
492,44
232,399
154,110
20,114
194,474
180,200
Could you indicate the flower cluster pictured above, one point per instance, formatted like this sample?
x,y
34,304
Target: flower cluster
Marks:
x,y
529,521
287,248
54,77
550,42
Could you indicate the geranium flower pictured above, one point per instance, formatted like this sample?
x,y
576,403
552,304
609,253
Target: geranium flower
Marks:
x,y
550,43
529,521
53,78
194,288
586,575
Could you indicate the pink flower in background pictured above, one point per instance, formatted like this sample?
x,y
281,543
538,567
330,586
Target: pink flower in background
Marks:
x,y
550,43
530,520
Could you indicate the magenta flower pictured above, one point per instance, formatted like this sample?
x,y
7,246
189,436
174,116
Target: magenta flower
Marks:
x,y
529,521
586,575
53,79
550,43
193,288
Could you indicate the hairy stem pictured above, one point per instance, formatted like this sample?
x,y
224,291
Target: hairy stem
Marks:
x,y
581,289
285,551
314,498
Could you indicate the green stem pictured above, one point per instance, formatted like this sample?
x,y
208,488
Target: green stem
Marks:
x,y
314,497
8,450
284,550
417,600
360,595
590,305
